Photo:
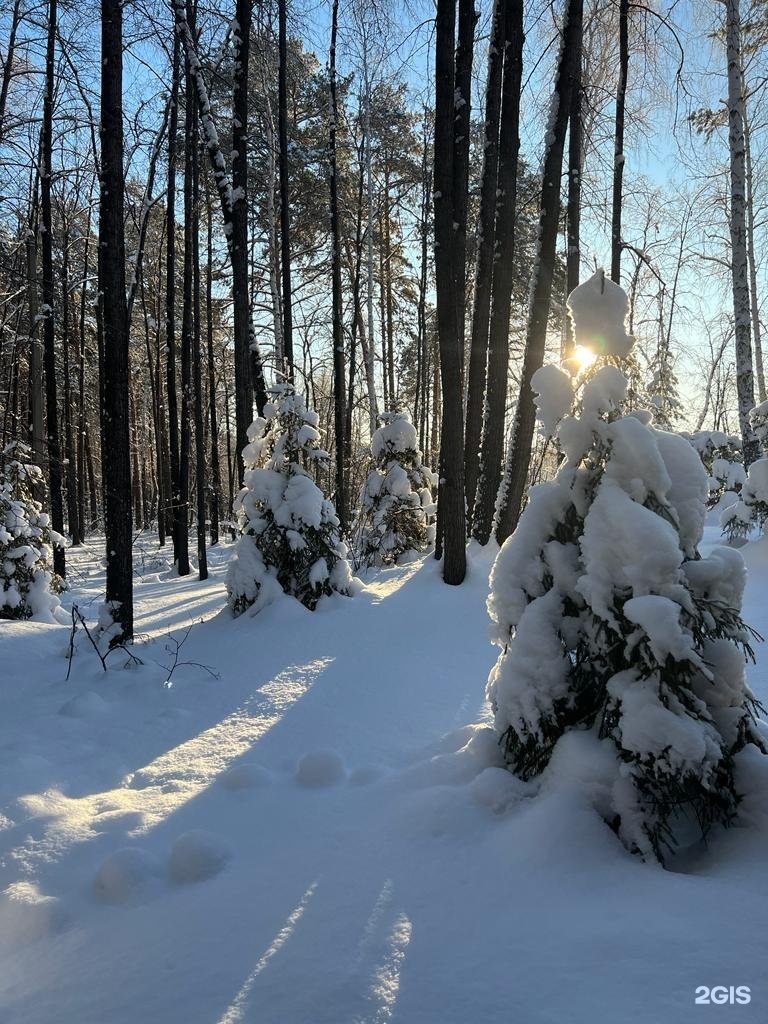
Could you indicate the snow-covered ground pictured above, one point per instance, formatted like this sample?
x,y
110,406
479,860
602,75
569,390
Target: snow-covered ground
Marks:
x,y
299,827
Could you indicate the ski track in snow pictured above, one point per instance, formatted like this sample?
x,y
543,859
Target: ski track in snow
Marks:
x,y
391,894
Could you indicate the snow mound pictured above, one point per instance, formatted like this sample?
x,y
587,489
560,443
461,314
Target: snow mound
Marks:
x,y
320,768
197,856
125,875
85,705
498,789
27,915
245,776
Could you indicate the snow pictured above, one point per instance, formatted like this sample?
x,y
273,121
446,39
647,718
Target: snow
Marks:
x,y
599,309
196,856
554,396
426,885
320,768
125,875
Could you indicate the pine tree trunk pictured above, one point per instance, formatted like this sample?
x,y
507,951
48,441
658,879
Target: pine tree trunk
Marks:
x,y
36,390
285,211
494,409
519,456
177,518
739,262
114,319
486,224
73,517
49,299
573,219
461,145
373,409
81,419
187,315
241,312
212,412
337,298
197,371
618,152
452,522
8,63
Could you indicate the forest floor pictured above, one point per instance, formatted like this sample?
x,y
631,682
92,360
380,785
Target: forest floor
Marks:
x,y
392,877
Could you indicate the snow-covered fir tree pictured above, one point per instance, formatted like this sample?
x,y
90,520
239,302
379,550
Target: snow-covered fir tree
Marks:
x,y
28,587
607,617
397,509
750,510
720,454
290,535
758,417
664,389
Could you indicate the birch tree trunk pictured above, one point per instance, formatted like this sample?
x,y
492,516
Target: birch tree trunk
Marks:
x,y
739,263
750,224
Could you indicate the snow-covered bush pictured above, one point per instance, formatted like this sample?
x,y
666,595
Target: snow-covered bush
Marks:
x,y
758,417
290,537
27,584
609,620
720,454
397,508
751,508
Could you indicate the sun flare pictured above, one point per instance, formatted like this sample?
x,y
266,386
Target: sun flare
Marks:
x,y
583,357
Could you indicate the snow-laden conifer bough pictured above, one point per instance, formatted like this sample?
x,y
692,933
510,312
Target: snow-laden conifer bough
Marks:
x,y
609,620
721,456
290,536
28,587
397,504
750,510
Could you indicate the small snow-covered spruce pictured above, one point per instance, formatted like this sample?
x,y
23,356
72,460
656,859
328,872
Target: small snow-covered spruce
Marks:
x,y
397,507
609,620
290,536
27,585
664,390
750,511
758,417
721,456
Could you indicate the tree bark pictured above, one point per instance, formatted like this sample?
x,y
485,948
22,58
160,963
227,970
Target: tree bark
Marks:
x,y
750,225
573,217
73,514
337,298
115,368
494,410
177,518
49,298
197,370
519,456
213,414
486,225
451,488
285,211
618,152
739,262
